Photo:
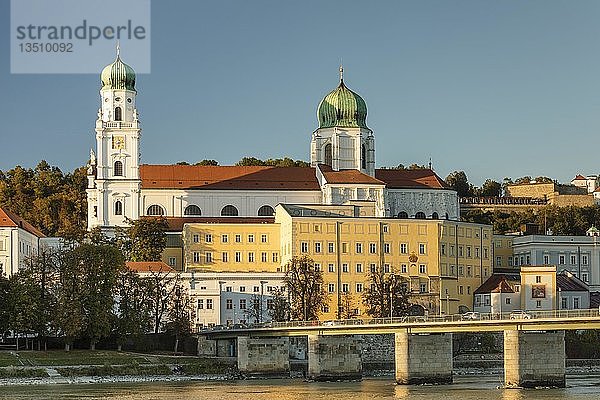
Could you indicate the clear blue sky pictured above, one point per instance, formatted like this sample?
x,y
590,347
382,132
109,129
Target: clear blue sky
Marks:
x,y
495,88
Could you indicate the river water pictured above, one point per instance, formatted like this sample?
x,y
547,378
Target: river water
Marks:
x,y
464,388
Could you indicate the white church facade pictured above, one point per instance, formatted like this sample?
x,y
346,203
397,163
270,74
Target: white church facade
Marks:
x,y
342,170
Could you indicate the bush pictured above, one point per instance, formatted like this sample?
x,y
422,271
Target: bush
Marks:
x,y
12,372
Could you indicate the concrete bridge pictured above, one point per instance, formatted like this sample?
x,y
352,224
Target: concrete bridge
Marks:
x,y
534,345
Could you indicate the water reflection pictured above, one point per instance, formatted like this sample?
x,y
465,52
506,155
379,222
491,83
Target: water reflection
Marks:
x,y
464,388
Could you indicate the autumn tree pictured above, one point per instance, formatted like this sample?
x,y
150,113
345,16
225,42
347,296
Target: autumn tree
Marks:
x,y
386,295
304,284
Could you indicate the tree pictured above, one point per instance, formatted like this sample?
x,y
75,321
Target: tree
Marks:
x,y
179,315
207,162
134,310
144,239
41,272
348,306
281,307
161,286
88,276
490,188
305,287
386,295
4,299
458,181
272,162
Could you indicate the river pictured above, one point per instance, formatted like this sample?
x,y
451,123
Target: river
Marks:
x,y
464,388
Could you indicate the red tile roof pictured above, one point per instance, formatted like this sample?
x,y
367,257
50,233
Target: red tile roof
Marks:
x,y
9,219
579,177
410,178
227,177
494,284
351,176
148,266
176,223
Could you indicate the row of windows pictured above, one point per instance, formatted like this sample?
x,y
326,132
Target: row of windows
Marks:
x,y
525,260
463,251
242,304
469,271
421,215
194,211
237,257
208,238
423,287
359,248
387,268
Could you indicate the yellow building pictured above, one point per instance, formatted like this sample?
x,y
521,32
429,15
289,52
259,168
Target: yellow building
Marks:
x,y
442,261
241,246
503,252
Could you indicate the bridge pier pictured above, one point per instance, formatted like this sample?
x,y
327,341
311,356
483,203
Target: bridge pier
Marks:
x,y
534,359
263,356
423,358
334,358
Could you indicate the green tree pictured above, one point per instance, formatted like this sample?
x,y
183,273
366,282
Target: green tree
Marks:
x,y
134,316
386,295
207,162
144,239
458,181
88,280
304,284
21,305
490,188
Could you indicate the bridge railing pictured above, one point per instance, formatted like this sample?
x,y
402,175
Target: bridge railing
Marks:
x,y
434,319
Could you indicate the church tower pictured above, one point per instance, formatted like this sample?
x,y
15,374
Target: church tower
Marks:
x,y
113,174
343,140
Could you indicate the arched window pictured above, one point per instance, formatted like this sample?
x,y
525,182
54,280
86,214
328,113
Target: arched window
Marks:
x,y
118,207
229,211
118,114
328,155
266,211
192,209
155,209
118,168
420,215
435,216
364,157
402,215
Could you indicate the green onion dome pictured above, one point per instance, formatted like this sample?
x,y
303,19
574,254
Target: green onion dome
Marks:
x,y
342,108
118,75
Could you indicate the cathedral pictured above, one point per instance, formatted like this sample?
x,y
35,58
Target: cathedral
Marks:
x,y
342,170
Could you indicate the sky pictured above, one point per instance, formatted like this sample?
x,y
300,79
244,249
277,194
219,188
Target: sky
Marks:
x,y
495,88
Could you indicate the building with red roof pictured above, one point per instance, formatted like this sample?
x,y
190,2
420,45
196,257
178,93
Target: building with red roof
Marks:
x,y
342,170
18,240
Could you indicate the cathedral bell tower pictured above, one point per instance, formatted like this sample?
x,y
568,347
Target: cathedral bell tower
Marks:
x,y
113,173
343,140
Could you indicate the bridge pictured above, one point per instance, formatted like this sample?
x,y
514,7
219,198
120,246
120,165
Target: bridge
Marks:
x,y
533,345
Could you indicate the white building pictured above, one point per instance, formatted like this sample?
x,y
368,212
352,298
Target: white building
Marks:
x,y
342,155
579,255
232,298
18,240
590,182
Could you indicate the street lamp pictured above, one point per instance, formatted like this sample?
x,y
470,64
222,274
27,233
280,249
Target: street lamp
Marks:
x,y
260,308
392,279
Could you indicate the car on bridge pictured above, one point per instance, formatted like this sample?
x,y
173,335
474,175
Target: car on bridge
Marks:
x,y
520,314
470,316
